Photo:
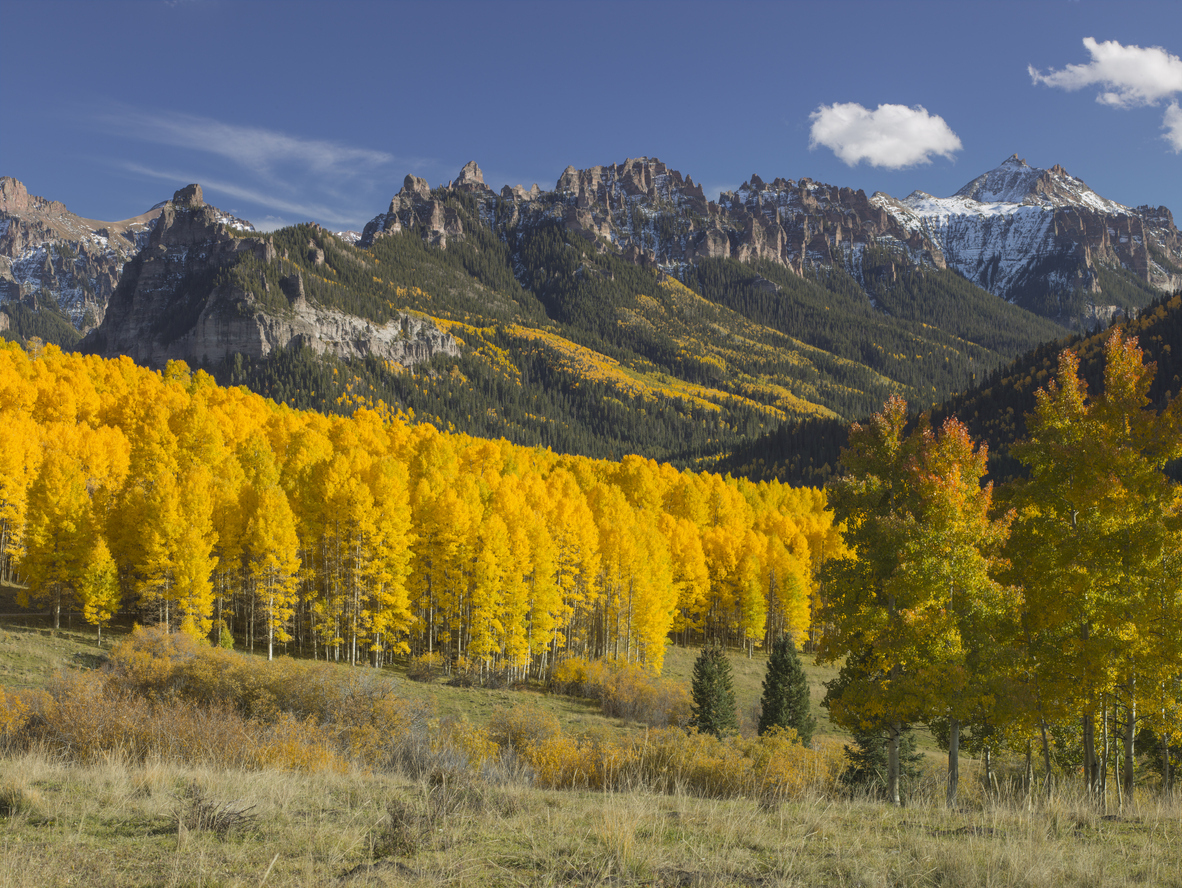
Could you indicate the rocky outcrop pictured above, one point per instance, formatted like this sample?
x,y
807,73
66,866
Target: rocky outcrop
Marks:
x,y
176,300
50,256
415,207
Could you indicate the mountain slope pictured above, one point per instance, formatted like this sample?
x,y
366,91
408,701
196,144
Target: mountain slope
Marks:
x,y
995,410
51,258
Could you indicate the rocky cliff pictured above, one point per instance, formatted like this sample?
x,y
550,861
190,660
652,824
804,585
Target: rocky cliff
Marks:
x,y
1025,234
50,256
184,296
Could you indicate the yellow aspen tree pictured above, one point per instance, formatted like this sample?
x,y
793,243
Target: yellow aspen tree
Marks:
x,y
691,577
509,504
388,615
576,566
720,545
750,590
489,576
1096,520
652,594
272,550
618,540
59,533
20,456
98,590
542,587
916,521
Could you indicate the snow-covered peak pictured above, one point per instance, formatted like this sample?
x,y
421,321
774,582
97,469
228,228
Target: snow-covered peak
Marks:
x,y
1015,182
1011,182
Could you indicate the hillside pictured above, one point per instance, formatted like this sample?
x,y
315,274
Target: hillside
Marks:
x,y
808,452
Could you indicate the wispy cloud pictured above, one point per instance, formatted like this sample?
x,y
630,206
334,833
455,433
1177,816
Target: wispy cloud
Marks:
x,y
260,150
302,211
1128,77
891,136
325,180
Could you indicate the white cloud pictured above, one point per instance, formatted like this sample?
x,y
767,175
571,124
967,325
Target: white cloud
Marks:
x,y
1128,76
891,136
1173,127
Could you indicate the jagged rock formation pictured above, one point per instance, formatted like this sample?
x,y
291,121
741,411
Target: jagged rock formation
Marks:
x,y
50,256
177,300
1017,231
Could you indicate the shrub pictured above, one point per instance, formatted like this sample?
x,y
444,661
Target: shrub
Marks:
x,y
145,660
196,812
516,728
426,667
569,676
624,690
14,713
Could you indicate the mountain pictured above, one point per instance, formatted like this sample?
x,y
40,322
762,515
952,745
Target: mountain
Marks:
x,y
199,291
56,261
1044,240
1038,238
492,314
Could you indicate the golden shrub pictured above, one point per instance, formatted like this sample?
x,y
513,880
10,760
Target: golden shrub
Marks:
x,y
145,660
518,727
298,745
14,713
472,741
425,667
569,676
560,762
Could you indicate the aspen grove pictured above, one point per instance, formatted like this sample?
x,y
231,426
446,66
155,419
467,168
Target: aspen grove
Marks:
x,y
223,515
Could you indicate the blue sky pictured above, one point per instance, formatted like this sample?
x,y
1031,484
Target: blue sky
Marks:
x,y
290,111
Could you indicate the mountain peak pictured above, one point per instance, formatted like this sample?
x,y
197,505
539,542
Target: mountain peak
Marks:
x,y
1016,182
189,196
470,179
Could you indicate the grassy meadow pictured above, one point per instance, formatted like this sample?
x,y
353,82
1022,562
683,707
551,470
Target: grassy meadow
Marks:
x,y
128,815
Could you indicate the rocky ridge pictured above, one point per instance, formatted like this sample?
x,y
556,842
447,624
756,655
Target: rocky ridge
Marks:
x,y
50,256
174,301
1017,231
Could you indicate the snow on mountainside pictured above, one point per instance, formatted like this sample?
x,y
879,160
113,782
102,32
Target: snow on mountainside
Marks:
x,y
50,256
1032,235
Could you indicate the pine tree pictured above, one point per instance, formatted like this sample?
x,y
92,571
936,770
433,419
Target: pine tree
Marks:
x,y
713,708
785,701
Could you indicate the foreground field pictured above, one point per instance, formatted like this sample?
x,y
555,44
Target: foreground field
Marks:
x,y
116,824
120,790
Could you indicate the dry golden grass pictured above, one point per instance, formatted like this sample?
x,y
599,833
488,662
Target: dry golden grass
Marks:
x,y
434,801
114,823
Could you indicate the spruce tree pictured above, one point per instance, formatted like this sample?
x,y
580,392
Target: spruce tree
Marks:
x,y
713,707
866,760
785,700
